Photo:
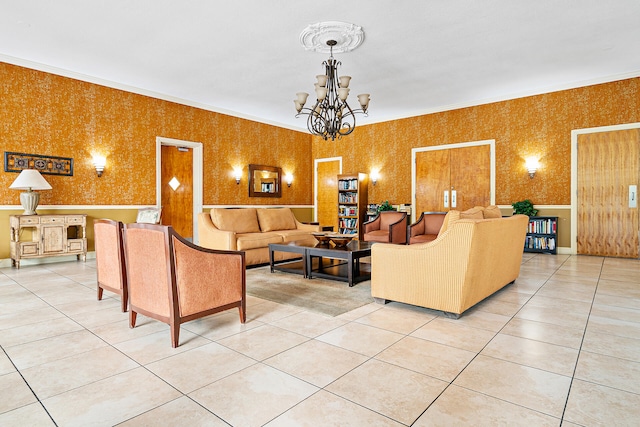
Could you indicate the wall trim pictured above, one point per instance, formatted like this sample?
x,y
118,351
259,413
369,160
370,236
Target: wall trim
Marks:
x,y
73,207
258,206
539,206
6,262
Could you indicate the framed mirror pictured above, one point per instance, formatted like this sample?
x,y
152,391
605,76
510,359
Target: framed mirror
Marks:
x,y
265,181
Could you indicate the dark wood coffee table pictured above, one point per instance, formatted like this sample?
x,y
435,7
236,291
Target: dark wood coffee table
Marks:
x,y
347,268
296,265
351,253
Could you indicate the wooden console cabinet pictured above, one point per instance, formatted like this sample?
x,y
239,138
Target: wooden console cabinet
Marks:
x,y
51,235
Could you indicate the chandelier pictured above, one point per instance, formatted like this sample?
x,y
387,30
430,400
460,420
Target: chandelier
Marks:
x,y
331,116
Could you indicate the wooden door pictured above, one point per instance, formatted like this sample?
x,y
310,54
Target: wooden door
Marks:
x,y
327,184
465,170
471,176
608,163
177,204
432,180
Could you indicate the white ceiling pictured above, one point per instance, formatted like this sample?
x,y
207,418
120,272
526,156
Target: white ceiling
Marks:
x,y
243,57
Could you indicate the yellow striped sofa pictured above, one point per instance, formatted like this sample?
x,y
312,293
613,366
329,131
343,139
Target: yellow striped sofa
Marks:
x,y
468,261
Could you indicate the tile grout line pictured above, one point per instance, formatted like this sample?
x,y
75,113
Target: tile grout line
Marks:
x,y
584,333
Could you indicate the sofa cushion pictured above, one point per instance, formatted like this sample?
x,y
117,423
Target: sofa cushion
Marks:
x,y
276,219
451,217
299,236
242,220
256,240
423,238
492,212
473,213
378,236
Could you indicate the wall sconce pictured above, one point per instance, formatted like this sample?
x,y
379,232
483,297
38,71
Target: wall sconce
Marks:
x,y
99,162
375,175
237,174
532,166
289,179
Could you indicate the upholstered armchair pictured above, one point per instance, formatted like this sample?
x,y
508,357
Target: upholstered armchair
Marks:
x,y
387,227
426,228
110,263
174,281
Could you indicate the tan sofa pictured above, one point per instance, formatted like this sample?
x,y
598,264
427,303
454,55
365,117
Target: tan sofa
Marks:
x,y
468,261
251,230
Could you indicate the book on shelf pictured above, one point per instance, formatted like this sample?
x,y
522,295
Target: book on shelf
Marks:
x,y
348,211
348,197
542,226
348,184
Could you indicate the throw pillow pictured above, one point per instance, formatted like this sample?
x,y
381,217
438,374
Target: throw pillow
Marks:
x,y
473,213
276,219
243,220
492,212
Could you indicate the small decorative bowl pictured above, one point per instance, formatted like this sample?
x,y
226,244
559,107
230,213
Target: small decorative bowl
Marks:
x,y
323,238
341,240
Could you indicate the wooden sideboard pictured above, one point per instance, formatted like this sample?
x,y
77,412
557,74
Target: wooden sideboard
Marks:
x,y
38,236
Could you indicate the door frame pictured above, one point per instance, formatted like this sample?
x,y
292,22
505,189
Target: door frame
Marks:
x,y
574,172
315,181
492,149
197,168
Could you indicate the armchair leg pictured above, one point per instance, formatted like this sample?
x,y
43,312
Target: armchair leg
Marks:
x,y
100,291
175,334
132,318
124,299
243,312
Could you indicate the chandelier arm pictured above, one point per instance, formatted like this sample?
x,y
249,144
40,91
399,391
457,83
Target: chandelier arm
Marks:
x,y
328,117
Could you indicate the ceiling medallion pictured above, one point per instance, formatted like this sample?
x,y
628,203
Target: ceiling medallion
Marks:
x,y
347,37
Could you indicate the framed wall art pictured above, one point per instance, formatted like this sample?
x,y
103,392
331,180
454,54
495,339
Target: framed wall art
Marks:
x,y
50,165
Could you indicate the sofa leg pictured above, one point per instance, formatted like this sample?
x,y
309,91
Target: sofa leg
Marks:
x,y
449,315
380,300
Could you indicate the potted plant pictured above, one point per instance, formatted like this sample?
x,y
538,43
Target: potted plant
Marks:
x,y
385,206
524,207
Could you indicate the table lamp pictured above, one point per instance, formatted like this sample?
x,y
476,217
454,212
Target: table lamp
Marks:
x,y
30,179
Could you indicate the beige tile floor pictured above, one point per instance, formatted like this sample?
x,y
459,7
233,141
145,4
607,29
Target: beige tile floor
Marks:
x,y
561,346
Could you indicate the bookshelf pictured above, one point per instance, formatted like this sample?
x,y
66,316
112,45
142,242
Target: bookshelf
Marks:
x,y
352,202
542,235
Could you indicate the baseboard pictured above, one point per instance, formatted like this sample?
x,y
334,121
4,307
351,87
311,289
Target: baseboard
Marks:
x,y
6,263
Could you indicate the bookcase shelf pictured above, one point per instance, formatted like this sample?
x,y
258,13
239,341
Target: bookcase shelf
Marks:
x,y
542,235
352,202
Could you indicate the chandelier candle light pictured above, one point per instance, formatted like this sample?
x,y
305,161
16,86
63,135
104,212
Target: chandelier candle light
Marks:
x,y
331,116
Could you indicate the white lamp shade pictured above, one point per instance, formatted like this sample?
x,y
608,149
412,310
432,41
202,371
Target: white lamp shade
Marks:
x,y
30,179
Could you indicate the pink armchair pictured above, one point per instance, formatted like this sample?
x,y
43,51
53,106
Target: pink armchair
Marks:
x,y
387,227
174,281
110,265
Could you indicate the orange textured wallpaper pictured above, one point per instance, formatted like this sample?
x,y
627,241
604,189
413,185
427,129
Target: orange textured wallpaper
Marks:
x,y
533,126
42,113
